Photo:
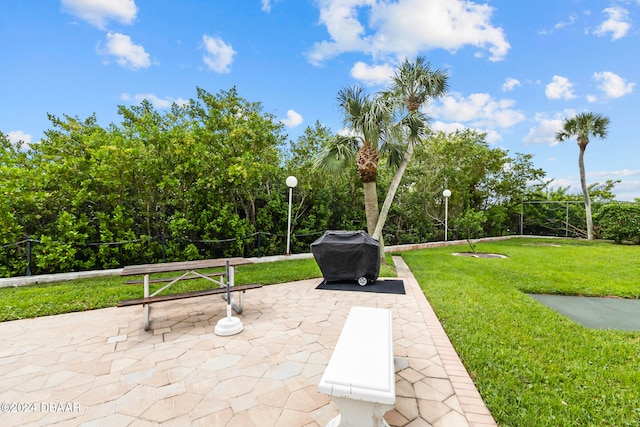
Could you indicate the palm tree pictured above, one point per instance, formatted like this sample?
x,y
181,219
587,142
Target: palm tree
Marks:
x,y
367,118
583,126
413,85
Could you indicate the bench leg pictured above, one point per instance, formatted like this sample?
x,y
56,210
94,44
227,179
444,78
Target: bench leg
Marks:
x,y
358,413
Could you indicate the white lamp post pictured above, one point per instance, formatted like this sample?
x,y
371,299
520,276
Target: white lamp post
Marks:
x,y
292,181
446,194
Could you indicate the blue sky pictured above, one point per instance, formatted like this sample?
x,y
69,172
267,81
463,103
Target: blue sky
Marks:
x,y
516,69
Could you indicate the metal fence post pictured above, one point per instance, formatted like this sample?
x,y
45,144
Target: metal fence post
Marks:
x,y
28,272
259,234
164,248
566,223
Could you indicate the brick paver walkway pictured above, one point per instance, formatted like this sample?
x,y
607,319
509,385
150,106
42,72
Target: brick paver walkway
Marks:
x,y
101,368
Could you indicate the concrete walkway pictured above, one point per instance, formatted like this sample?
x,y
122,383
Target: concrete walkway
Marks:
x,y
101,368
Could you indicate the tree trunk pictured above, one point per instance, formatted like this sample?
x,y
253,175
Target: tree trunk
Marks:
x,y
585,192
391,193
370,205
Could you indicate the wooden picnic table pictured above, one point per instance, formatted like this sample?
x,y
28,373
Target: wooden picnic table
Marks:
x,y
189,270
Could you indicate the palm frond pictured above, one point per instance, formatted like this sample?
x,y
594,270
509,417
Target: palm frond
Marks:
x,y
394,151
339,155
582,126
415,83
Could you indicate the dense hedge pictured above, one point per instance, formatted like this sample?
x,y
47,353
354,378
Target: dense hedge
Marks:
x,y
619,222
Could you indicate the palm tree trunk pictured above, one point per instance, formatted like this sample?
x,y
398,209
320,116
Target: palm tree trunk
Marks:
x,y
370,205
391,193
585,192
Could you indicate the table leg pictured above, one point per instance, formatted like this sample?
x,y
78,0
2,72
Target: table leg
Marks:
x,y
231,279
146,307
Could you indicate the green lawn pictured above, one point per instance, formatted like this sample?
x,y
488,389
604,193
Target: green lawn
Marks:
x,y
533,366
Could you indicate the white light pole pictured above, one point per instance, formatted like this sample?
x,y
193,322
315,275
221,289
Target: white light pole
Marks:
x,y
292,181
446,194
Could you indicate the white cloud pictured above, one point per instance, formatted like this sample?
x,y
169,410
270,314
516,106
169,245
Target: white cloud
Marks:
x,y
620,174
219,55
372,75
478,110
562,24
449,127
266,6
98,12
406,27
627,190
617,24
559,88
156,101
509,84
613,85
293,119
571,184
16,136
546,127
349,132
127,53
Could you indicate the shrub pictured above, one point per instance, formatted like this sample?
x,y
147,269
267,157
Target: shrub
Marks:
x,y
619,222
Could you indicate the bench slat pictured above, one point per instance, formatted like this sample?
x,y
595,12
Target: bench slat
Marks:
x,y
192,294
170,279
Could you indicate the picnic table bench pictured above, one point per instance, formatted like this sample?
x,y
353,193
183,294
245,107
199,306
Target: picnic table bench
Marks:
x,y
188,270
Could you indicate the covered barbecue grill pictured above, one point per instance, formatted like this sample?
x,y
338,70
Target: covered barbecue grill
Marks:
x,y
347,255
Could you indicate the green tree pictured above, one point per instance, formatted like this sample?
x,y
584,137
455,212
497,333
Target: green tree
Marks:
x,y
15,205
243,146
583,126
469,225
321,201
479,177
368,119
388,125
414,84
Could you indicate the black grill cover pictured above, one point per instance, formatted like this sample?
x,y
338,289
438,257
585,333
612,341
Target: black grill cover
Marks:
x,y
347,255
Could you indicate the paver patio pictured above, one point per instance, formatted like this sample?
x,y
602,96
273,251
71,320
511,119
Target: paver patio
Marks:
x,y
101,368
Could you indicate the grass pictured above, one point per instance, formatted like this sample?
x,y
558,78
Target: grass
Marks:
x,y
532,366
88,294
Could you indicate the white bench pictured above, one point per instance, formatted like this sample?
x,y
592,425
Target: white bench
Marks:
x,y
360,376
